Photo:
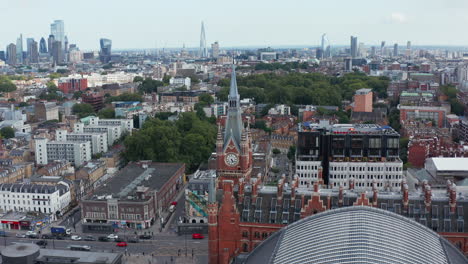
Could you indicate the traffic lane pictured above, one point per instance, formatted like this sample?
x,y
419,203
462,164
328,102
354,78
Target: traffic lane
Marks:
x,y
199,246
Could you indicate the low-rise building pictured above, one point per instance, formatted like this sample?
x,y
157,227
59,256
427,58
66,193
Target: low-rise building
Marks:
x,y
133,198
45,111
52,200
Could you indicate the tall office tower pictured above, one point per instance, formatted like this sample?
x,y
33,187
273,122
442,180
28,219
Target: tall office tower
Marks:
x,y
42,46
28,47
395,50
324,46
65,48
33,53
382,47
19,49
57,52
215,50
50,42
408,49
58,30
11,54
106,50
203,53
354,47
373,51
362,52
2,55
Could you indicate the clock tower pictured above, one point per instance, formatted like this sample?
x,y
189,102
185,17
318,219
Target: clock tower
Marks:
x,y
233,145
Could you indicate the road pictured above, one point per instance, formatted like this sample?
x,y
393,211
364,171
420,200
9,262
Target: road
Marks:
x,y
168,245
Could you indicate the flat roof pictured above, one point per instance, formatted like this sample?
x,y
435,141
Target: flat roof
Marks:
x,y
451,164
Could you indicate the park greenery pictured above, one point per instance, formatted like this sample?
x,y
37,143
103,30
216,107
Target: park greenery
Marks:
x,y
190,139
7,132
288,66
126,97
304,89
83,110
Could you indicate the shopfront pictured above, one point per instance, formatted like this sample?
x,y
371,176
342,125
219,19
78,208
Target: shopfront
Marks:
x,y
9,224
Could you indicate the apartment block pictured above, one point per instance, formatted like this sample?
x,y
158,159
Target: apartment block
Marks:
x,y
113,132
74,152
98,141
126,125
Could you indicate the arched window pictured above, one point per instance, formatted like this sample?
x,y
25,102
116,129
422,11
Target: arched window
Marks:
x,y
194,221
264,235
257,234
245,234
201,221
245,247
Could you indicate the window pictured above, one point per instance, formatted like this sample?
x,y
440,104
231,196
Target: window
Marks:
x,y
257,234
245,234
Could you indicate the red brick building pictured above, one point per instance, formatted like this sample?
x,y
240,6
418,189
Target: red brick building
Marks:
x,y
96,100
73,85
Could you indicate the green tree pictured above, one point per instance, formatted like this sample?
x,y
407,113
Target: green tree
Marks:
x,y
83,110
126,97
138,79
276,151
206,99
7,132
149,85
292,152
106,113
77,94
23,104
6,85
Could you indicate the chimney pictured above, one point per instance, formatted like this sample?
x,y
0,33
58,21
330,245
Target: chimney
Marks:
x,y
427,197
351,183
449,187
405,196
453,198
375,192
340,196
316,187
320,175
329,202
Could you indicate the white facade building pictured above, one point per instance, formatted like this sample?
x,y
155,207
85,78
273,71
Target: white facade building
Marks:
x,y
98,141
48,199
125,124
181,81
113,132
75,152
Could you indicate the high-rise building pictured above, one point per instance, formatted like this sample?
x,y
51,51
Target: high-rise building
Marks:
x,y
33,54
354,47
42,46
65,48
382,47
57,52
408,49
215,50
11,54
2,55
57,28
373,51
19,49
395,50
50,43
106,50
324,48
203,53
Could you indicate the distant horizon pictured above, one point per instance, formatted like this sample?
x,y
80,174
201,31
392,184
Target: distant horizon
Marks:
x,y
145,24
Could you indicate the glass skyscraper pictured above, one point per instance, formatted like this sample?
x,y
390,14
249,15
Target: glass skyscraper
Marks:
x,y
106,50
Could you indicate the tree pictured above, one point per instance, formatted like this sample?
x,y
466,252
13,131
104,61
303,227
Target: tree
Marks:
x,y
126,97
206,99
83,110
292,152
23,104
138,79
6,85
106,113
276,151
77,94
7,132
149,85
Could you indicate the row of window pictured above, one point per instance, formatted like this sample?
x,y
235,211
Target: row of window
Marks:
x,y
368,177
361,168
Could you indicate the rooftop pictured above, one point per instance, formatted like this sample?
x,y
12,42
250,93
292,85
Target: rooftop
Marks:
x,y
450,164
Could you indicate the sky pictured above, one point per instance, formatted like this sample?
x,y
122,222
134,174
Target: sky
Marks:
x,y
143,24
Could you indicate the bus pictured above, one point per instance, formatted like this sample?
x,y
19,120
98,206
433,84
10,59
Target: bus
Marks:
x,y
79,248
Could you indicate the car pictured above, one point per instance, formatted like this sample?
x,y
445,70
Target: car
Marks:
x,y
133,240
31,234
122,244
20,235
59,237
174,203
112,237
79,247
89,238
75,238
197,236
145,237
41,243
103,239
47,236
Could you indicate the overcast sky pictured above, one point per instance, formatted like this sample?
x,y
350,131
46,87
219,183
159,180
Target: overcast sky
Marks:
x,y
171,23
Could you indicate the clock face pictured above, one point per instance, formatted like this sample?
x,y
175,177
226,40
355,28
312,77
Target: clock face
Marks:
x,y
232,159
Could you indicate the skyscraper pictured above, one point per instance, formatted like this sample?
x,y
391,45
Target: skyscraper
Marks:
x,y
42,46
203,53
50,42
395,50
325,47
354,47
2,55
11,54
215,50
33,53
65,43
57,28
106,50
57,52
19,49
408,49
28,47
382,47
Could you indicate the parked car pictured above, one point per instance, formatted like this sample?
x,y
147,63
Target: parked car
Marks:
x,y
197,236
31,234
122,244
112,237
133,240
75,238
103,239
41,243
47,236
89,238
174,203
145,237
20,235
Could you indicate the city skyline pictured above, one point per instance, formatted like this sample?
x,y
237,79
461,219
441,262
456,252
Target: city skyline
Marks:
x,y
149,28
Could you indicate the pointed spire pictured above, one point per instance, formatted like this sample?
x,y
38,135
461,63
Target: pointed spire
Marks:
x,y
233,90
234,126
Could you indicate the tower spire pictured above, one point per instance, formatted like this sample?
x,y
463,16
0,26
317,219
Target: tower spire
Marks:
x,y
203,51
234,126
